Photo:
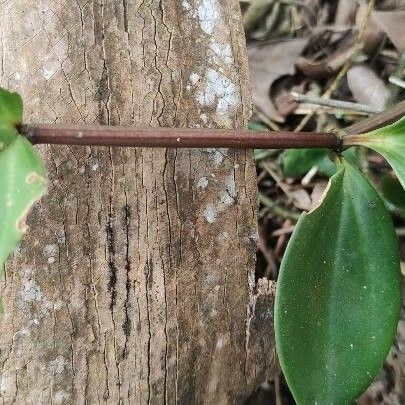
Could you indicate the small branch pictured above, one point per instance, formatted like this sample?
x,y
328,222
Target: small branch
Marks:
x,y
177,137
369,124
201,138
342,105
397,81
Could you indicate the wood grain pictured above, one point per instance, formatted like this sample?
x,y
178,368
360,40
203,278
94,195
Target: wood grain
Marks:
x,y
135,283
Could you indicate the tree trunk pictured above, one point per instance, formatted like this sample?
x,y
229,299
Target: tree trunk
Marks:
x,y
135,283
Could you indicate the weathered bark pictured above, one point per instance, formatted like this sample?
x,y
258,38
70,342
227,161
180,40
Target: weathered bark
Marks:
x,y
135,283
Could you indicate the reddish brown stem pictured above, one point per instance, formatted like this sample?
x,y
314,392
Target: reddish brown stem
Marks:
x,y
177,137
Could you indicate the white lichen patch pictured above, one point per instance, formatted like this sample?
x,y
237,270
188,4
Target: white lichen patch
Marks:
x,y
218,91
220,344
31,292
194,78
57,365
217,154
208,14
60,397
202,183
230,185
254,235
221,53
226,199
48,73
50,250
186,5
204,118
6,385
210,213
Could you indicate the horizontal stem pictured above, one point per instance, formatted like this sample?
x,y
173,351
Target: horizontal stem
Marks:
x,y
176,137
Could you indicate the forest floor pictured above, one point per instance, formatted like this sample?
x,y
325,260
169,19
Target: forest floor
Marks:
x,y
319,66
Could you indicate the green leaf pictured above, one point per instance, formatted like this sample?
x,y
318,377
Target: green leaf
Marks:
x,y
338,295
11,108
257,126
7,135
393,194
297,162
388,141
22,183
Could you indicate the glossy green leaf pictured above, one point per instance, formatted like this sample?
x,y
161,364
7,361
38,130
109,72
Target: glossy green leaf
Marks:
x,y
22,183
297,162
388,141
338,295
8,134
11,108
393,194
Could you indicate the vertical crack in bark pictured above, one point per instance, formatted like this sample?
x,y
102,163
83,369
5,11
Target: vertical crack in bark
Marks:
x,y
127,325
111,259
125,8
148,282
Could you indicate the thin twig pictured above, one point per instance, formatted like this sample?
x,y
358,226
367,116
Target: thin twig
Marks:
x,y
339,104
176,137
277,209
397,81
202,138
356,49
369,124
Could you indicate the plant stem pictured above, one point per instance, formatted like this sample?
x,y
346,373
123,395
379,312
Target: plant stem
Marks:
x,y
202,138
177,137
342,105
369,124
277,209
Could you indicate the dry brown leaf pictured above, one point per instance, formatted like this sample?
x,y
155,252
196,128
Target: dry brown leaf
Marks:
x,y
325,67
345,12
301,199
367,87
392,23
318,192
268,63
373,34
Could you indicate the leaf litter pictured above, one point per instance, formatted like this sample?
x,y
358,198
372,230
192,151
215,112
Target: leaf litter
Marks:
x,y
311,47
